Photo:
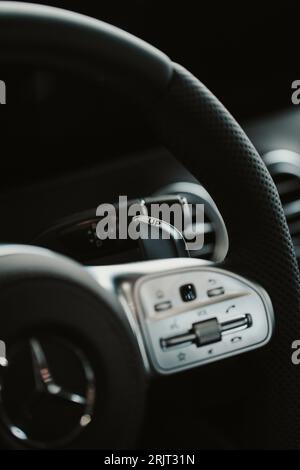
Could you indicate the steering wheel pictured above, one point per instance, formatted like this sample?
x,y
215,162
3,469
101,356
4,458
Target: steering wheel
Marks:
x,y
90,321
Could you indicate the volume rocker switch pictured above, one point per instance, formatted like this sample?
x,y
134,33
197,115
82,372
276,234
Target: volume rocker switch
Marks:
x,y
207,332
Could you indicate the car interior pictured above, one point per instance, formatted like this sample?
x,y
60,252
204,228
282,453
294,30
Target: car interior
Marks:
x,y
133,344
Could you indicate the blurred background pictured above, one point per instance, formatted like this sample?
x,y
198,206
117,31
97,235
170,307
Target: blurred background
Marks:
x,y
246,53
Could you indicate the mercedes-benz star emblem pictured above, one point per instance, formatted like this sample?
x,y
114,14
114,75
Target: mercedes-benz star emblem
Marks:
x,y
47,392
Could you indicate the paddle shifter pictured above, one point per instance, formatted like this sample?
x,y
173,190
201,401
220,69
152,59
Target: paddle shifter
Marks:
x,y
159,239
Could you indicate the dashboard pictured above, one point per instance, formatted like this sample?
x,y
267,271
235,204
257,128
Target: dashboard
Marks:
x,y
62,213
62,208
277,140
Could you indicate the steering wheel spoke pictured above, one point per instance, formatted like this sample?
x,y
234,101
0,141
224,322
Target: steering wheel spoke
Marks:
x,y
188,313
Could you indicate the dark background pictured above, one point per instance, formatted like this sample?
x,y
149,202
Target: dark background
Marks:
x,y
246,53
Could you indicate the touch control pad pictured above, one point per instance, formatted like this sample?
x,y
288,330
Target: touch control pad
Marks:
x,y
188,292
210,314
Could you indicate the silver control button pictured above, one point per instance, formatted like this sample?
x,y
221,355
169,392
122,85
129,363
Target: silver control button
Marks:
x,y
215,292
207,332
161,306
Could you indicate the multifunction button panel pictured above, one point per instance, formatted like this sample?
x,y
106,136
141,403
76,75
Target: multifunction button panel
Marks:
x,y
197,316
